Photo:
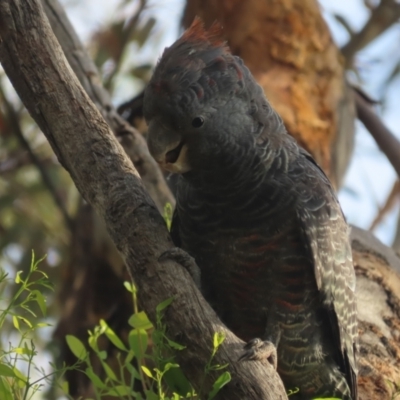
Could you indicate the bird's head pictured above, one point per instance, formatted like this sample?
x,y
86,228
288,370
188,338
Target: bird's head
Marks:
x,y
200,99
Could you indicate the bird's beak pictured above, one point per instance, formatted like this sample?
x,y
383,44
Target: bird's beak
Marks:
x,y
168,148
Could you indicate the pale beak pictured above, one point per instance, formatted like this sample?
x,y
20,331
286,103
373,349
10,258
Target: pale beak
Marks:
x,y
168,149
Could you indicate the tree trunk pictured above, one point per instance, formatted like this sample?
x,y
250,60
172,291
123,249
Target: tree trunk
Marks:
x,y
289,49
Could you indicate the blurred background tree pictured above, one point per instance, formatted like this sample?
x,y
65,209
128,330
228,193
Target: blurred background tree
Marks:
x,y
305,73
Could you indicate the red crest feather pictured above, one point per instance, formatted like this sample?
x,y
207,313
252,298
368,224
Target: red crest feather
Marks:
x,y
197,33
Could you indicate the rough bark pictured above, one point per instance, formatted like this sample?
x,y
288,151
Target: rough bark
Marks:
x,y
378,303
85,70
106,178
288,47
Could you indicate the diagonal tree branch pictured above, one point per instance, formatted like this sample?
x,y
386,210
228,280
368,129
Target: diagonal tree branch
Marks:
x,y
88,75
106,178
385,139
382,17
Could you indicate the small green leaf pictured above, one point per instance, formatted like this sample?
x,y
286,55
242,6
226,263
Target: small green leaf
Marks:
x,y
219,384
168,366
18,374
18,278
150,395
110,373
27,322
5,370
140,321
5,389
121,390
65,387
163,305
77,347
102,355
23,350
94,378
138,341
41,301
128,286
217,367
15,322
133,371
147,371
114,339
175,345
218,339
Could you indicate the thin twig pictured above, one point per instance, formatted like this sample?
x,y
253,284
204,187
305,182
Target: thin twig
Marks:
x,y
382,17
391,201
385,139
16,128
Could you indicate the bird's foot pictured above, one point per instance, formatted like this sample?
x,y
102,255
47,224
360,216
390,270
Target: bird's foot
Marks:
x,y
181,257
258,350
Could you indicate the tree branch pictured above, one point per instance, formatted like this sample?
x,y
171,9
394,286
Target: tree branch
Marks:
x,y
88,75
385,139
382,17
106,178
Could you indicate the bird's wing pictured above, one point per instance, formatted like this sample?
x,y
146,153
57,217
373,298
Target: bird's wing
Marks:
x,y
325,233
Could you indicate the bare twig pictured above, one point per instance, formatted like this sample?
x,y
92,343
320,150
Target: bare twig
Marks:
x,y
84,68
13,120
382,17
392,199
385,139
106,178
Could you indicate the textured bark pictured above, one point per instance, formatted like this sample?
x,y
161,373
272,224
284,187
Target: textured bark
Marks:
x,y
106,178
378,302
85,70
289,49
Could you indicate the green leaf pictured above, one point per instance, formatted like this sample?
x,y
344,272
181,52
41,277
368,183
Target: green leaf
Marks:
x,y
5,370
177,381
15,322
163,305
41,301
18,374
140,321
18,278
102,355
150,395
219,384
114,339
138,341
218,339
94,378
23,350
168,366
128,286
217,367
5,389
27,322
77,347
133,371
65,387
121,390
175,345
147,371
110,373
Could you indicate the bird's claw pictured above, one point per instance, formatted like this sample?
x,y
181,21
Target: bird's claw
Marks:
x,y
258,350
181,257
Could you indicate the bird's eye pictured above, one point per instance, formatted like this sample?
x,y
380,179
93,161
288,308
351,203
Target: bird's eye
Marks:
x,y
197,122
